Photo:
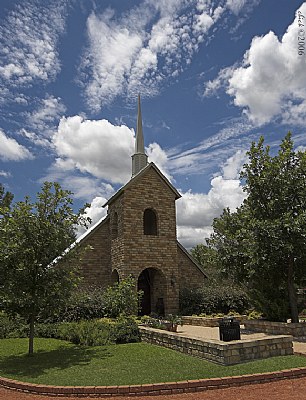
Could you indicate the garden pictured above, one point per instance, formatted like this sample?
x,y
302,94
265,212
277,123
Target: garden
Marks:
x,y
255,260
94,340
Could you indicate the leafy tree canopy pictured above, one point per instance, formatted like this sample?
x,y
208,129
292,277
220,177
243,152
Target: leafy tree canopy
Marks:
x,y
207,258
33,235
6,199
263,243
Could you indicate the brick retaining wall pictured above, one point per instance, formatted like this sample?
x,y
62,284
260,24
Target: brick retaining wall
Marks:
x,y
276,328
190,386
225,353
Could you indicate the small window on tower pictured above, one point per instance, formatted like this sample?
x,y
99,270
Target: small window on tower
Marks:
x,y
150,222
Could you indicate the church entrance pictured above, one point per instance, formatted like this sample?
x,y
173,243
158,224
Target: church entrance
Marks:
x,y
152,282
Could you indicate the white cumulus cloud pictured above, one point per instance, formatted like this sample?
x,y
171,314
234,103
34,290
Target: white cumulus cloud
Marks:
x,y
11,150
96,147
271,81
157,155
196,211
95,212
5,174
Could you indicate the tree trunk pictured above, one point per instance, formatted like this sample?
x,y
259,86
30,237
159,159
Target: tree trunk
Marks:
x,y
31,336
292,292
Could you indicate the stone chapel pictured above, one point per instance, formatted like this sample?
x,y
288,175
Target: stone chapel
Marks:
x,y
138,238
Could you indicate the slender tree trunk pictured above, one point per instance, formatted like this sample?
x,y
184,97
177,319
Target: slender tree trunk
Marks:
x,y
31,336
292,292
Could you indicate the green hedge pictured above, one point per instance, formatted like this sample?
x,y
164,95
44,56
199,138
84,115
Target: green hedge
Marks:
x,y
213,300
87,333
94,302
12,328
125,330
83,304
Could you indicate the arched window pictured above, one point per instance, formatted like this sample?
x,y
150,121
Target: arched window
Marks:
x,y
114,226
149,222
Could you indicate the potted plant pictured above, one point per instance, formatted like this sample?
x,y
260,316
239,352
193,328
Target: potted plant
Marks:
x,y
172,322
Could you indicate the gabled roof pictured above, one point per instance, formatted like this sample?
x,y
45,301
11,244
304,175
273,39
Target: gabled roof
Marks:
x,y
135,178
191,258
81,238
92,229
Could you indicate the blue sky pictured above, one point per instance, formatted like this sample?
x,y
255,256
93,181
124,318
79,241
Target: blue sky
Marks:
x,y
213,76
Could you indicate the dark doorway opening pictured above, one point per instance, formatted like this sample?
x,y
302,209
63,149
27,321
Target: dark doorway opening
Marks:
x,y
152,282
144,284
114,277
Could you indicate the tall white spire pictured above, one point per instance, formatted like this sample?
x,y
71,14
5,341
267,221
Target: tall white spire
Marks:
x,y
139,159
139,143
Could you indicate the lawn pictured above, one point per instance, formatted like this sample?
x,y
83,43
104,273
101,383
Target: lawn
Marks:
x,y
61,363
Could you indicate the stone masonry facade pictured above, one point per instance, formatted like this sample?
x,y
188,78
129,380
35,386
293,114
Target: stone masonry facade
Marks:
x,y
118,243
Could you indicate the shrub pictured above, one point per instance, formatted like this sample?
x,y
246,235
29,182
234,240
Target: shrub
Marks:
x,y
94,332
254,314
122,298
152,322
125,330
83,304
93,303
12,327
272,303
213,299
46,330
87,333
191,302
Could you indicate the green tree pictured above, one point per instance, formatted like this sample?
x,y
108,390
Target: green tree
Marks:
x,y
122,298
214,296
204,255
207,257
33,235
264,242
6,199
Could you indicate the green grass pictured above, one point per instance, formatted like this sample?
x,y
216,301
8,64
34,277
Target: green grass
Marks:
x,y
61,363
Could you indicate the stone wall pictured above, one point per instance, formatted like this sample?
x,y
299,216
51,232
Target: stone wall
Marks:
x,y
276,328
189,280
120,244
225,353
132,251
208,322
96,262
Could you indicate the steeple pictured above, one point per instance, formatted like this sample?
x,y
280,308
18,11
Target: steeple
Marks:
x,y
139,159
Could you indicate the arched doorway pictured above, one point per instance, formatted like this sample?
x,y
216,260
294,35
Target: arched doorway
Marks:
x,y
153,284
114,277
